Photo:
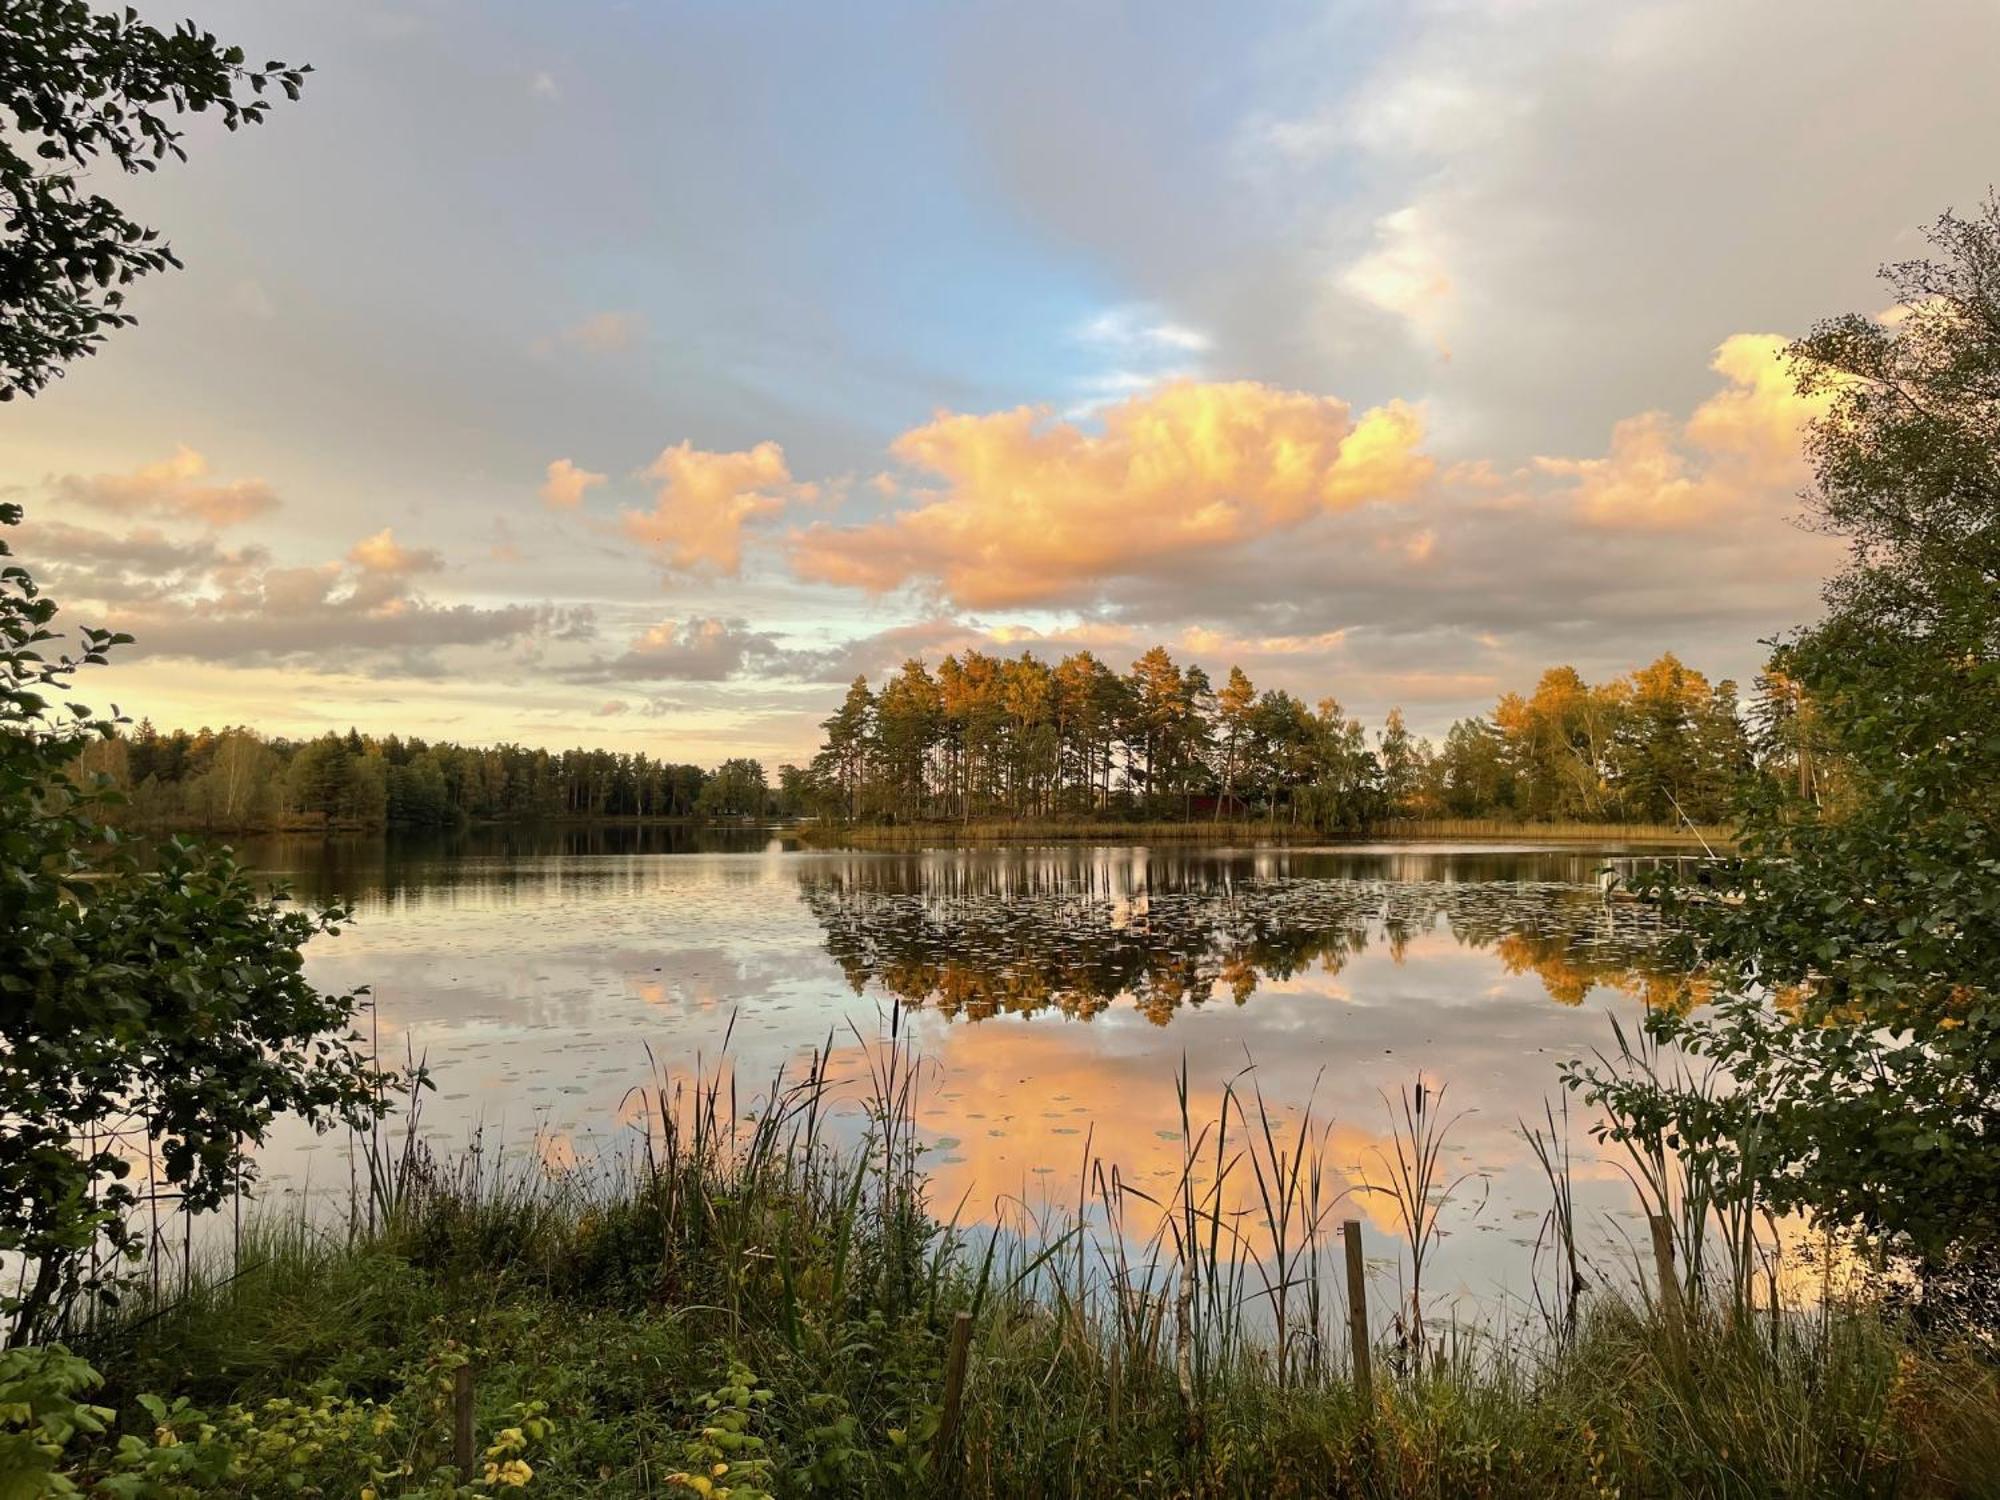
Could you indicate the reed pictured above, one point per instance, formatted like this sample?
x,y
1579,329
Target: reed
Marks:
x,y
1053,830
1561,832
1418,1193
948,833
1555,1237
775,1236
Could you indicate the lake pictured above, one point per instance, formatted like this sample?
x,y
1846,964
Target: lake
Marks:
x,y
1052,992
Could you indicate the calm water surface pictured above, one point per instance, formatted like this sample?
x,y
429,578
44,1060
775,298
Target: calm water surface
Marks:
x,y
1053,994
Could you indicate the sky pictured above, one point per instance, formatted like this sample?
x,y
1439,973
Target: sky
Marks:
x,y
635,375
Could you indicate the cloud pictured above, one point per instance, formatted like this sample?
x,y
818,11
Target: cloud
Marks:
x,y
1675,533
84,562
172,489
1404,274
705,501
1550,209
1145,350
564,485
1133,327
700,649
383,554
1218,645
305,616
1573,198
1738,448
1758,421
1034,511
198,601
884,650
938,636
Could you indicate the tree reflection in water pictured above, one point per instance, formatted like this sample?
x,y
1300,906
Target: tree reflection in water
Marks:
x,y
977,937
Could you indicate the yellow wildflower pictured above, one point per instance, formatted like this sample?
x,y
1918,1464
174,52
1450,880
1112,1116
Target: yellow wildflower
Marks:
x,y
513,1474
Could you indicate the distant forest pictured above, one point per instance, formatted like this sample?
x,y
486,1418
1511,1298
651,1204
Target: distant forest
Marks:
x,y
235,780
982,737
987,738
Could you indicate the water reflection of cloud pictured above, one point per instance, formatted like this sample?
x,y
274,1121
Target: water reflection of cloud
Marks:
x,y
536,981
1024,1112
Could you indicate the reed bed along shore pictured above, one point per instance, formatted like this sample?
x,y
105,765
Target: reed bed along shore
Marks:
x,y
761,1298
1247,831
1050,830
1688,835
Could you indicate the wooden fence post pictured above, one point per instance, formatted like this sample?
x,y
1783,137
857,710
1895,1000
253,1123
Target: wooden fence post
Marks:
x,y
461,1421
954,1386
1357,1314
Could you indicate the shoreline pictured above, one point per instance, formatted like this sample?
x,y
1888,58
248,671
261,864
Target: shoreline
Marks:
x,y
997,832
1430,830
299,828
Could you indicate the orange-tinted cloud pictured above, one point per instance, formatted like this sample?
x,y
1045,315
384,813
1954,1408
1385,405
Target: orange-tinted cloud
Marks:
x,y
172,489
1032,510
1209,642
382,553
1000,1142
1082,635
564,484
1739,448
1757,421
706,500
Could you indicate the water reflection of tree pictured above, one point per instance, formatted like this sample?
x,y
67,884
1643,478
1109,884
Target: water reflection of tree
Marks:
x,y
1569,973
492,866
978,938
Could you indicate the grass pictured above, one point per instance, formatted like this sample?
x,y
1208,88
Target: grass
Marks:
x,y
744,1291
1717,836
1248,831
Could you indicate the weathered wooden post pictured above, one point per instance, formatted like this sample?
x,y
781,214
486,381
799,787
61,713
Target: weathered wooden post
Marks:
x,y
1357,1314
1672,1311
461,1421
954,1386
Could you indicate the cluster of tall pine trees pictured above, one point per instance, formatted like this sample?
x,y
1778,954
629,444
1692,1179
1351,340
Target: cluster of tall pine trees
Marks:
x,y
986,737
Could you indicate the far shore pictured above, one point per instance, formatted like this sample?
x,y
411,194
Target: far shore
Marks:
x,y
951,832
1258,831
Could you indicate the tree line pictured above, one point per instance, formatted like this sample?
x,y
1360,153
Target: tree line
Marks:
x,y
986,737
983,736
236,779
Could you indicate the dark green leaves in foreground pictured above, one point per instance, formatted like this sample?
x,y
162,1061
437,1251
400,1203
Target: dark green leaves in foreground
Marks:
x,y
154,1015
147,1014
79,88
1858,928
